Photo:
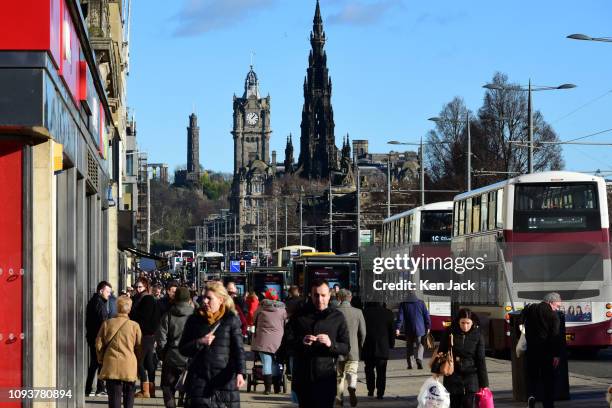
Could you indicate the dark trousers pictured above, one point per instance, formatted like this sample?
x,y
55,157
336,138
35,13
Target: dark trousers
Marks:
x,y
378,380
94,368
115,389
319,394
540,371
169,377
148,363
463,400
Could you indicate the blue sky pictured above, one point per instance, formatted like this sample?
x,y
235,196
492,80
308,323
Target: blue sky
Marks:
x,y
393,63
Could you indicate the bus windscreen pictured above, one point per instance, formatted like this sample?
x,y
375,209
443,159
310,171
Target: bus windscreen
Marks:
x,y
559,207
436,226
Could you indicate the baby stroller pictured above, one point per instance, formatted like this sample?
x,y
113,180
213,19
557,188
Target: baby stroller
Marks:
x,y
256,377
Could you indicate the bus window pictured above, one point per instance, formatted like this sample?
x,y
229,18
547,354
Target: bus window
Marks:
x,y
483,213
461,217
456,219
475,214
492,202
468,215
499,214
436,226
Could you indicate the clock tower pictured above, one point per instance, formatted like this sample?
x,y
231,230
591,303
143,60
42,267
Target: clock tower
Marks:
x,y
251,129
253,171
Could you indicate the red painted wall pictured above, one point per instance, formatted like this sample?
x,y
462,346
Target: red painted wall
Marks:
x,y
11,262
70,59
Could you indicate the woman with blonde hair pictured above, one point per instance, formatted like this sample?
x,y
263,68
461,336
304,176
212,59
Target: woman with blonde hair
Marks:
x,y
212,338
117,345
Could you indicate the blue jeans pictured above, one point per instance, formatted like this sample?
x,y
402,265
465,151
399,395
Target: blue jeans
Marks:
x,y
270,367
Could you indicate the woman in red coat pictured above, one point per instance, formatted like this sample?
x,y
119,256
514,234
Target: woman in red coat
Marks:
x,y
251,303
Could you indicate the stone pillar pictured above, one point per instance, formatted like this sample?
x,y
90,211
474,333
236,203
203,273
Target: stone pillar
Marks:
x,y
44,299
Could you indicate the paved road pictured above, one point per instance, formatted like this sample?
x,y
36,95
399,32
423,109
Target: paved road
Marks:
x,y
599,366
403,385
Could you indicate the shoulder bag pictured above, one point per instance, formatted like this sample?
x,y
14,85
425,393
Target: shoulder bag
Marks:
x,y
180,383
443,363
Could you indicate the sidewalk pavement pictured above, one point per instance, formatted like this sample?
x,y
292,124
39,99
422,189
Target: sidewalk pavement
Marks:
x,y
403,386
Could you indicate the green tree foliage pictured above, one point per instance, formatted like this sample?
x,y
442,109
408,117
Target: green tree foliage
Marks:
x,y
214,185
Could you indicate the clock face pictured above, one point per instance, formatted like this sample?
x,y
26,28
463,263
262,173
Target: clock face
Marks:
x,y
252,118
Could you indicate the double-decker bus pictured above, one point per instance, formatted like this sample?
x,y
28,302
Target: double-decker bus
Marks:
x,y
538,233
423,231
282,257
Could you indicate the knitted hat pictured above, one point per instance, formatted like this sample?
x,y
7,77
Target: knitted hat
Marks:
x,y
182,295
271,294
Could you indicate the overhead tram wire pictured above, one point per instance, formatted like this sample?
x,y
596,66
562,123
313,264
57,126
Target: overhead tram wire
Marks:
x,y
581,107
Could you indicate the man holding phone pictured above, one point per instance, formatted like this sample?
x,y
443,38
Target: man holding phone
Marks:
x,y
317,336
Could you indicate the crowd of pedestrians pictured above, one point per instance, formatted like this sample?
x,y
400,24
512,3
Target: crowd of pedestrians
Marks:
x,y
316,340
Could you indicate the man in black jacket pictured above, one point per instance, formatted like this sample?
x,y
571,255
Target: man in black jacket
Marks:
x,y
317,336
380,337
543,347
97,313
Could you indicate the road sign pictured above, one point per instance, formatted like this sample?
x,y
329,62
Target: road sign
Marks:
x,y
234,266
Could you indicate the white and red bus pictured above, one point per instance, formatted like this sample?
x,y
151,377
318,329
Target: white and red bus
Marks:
x,y
554,231
424,231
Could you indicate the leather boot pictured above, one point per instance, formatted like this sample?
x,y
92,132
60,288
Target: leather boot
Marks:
x,y
277,381
267,384
144,391
152,389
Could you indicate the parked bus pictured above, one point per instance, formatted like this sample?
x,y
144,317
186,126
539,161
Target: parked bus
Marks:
x,y
210,263
424,231
282,257
554,231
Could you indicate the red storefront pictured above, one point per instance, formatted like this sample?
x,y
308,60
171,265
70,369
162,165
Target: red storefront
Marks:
x,y
53,178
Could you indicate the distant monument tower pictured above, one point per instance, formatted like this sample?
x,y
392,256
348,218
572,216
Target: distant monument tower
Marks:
x,y
191,175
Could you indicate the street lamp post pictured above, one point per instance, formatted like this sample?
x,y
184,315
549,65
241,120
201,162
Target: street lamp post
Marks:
x,y
588,38
469,145
529,89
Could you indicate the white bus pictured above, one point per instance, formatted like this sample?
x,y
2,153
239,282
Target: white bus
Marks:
x,y
424,230
554,231
282,257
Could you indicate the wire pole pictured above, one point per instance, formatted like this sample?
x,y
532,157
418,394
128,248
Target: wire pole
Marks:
x,y
275,223
388,186
301,214
358,209
469,152
530,125
331,234
422,175
285,222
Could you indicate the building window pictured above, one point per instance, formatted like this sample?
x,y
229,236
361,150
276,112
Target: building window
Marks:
x,y
129,164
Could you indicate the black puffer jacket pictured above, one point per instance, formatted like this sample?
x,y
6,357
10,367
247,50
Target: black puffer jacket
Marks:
x,y
316,362
170,332
145,312
212,373
470,366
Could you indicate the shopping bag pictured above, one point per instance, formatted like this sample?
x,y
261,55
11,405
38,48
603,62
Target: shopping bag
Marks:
x,y
485,398
428,341
521,346
433,394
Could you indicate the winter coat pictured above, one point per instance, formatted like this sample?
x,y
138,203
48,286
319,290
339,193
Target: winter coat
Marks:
x,y
269,322
470,373
413,318
164,305
380,332
145,312
119,355
97,313
542,329
294,305
251,305
213,371
316,362
355,323
170,332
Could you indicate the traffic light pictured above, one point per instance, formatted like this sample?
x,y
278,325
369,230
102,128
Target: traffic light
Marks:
x,y
242,266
